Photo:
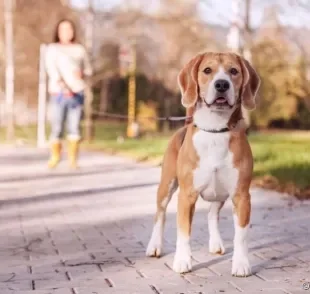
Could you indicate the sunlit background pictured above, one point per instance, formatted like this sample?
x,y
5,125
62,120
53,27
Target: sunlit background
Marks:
x,y
146,43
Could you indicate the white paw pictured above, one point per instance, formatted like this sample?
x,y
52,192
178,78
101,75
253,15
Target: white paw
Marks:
x,y
154,248
182,263
216,245
241,266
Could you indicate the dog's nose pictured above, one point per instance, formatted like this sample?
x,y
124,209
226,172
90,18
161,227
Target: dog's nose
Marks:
x,y
221,85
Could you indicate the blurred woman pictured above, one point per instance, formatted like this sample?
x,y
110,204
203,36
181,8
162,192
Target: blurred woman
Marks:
x,y
67,65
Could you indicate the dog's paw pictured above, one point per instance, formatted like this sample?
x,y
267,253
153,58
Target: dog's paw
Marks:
x,y
216,245
154,248
241,266
182,263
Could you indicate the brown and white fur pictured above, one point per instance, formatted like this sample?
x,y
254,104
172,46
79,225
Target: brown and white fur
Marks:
x,y
217,166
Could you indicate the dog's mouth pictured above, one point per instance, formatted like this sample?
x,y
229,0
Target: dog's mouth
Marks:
x,y
220,101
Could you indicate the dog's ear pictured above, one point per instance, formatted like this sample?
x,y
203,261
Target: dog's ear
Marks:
x,y
188,81
250,85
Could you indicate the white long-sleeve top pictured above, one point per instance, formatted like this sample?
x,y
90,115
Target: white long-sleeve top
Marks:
x,y
65,62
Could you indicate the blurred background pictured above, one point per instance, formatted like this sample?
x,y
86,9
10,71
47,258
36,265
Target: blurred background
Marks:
x,y
137,48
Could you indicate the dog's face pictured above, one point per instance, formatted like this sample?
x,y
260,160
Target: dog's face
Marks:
x,y
219,79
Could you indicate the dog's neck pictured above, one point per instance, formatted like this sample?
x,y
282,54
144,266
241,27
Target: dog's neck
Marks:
x,y
207,119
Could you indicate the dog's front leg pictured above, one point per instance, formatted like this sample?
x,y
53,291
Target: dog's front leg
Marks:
x,y
215,241
241,212
186,208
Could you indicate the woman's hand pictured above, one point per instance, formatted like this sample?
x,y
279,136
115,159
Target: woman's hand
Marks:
x,y
62,84
78,74
64,88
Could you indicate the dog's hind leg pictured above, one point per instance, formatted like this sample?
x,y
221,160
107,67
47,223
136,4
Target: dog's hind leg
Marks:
x,y
168,185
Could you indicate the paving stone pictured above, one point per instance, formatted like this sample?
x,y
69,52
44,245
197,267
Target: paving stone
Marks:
x,y
85,232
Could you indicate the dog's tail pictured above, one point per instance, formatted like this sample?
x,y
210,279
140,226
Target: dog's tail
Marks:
x,y
189,115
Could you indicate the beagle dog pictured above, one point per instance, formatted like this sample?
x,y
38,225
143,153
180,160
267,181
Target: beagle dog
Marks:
x,y
210,157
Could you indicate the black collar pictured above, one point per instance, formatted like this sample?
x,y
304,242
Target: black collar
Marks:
x,y
223,130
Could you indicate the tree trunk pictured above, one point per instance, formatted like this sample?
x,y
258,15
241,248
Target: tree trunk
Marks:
x,y
104,95
9,70
89,91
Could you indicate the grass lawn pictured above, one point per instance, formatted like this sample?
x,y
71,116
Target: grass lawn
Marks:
x,y
26,134
111,138
282,159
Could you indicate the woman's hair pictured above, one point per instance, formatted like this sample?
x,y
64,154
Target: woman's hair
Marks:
x,y
56,33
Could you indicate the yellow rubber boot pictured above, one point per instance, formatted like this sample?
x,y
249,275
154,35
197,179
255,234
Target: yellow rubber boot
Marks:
x,y
73,150
55,154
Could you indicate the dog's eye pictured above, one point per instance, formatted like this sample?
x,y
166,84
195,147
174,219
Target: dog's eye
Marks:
x,y
207,70
233,71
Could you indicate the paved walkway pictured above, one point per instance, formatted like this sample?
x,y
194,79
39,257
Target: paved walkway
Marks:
x,y
86,233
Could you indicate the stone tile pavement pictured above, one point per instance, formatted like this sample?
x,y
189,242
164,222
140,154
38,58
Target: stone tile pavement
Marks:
x,y
85,232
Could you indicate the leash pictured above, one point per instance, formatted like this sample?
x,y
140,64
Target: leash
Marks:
x,y
158,118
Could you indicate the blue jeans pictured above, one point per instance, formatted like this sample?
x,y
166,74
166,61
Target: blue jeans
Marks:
x,y
69,110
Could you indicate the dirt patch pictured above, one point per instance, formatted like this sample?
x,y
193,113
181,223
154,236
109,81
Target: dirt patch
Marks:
x,y
272,183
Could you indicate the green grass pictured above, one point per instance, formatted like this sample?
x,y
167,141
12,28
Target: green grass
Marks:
x,y
108,137
26,134
284,155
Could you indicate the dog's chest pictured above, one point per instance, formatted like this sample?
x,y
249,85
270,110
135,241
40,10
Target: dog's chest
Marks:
x,y
215,176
